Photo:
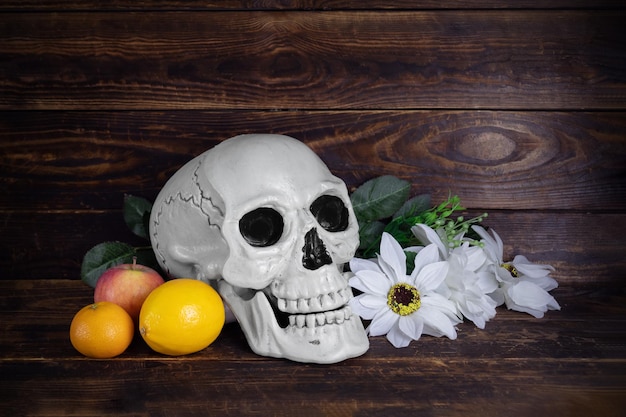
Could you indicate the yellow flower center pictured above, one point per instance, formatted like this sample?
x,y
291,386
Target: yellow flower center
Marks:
x,y
403,299
511,269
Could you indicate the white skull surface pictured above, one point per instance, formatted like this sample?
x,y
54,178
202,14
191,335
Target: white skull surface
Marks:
x,y
263,219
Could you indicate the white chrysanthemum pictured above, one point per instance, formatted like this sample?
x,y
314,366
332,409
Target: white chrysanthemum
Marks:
x,y
523,286
466,285
470,289
402,306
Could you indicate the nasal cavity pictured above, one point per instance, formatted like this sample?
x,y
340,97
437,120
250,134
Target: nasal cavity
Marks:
x,y
315,253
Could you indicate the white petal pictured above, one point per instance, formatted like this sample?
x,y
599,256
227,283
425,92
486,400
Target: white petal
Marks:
x,y
476,257
392,259
444,289
415,249
472,307
493,249
382,322
531,269
436,323
481,232
358,264
442,304
478,320
426,256
371,282
547,283
397,337
372,301
553,304
498,296
504,275
361,310
527,294
412,325
486,281
431,276
535,313
479,311
499,243
428,236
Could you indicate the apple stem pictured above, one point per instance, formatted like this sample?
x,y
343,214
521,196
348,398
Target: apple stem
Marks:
x,y
134,262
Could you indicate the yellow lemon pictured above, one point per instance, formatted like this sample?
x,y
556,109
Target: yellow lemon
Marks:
x,y
181,316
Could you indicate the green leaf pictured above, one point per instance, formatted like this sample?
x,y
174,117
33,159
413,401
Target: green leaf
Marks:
x,y
370,233
410,261
414,206
369,236
102,257
136,212
379,198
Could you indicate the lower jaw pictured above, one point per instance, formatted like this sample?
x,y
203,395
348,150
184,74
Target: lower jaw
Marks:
x,y
329,343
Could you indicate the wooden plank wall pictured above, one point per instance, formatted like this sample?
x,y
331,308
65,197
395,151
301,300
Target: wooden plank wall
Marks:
x,y
519,107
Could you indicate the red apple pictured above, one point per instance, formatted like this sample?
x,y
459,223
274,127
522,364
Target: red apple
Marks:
x,y
127,285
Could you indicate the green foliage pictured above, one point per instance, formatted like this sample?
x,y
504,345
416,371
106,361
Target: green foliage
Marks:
x,y
379,198
369,234
137,215
417,204
382,205
400,226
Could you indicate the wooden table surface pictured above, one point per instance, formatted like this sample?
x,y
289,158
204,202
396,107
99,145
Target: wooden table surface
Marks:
x,y
570,363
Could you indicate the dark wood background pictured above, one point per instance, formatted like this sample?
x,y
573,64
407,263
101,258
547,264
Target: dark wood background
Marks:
x,y
517,106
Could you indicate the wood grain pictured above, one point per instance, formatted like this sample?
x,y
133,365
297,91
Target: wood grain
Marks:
x,y
236,388
301,60
72,161
121,5
554,366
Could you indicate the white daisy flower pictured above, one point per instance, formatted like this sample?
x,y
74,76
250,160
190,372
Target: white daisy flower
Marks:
x,y
523,286
402,306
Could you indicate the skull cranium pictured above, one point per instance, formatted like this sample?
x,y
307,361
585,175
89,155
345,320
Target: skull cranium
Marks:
x,y
262,218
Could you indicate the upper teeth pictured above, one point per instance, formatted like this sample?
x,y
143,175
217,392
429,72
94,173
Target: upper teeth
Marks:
x,y
317,304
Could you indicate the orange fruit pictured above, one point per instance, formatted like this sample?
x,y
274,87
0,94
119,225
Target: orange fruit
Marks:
x,y
182,316
101,330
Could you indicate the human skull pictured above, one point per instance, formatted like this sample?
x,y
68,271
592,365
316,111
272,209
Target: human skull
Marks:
x,y
262,218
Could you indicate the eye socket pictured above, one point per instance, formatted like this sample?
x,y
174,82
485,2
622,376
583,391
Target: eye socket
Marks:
x,y
330,213
261,227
